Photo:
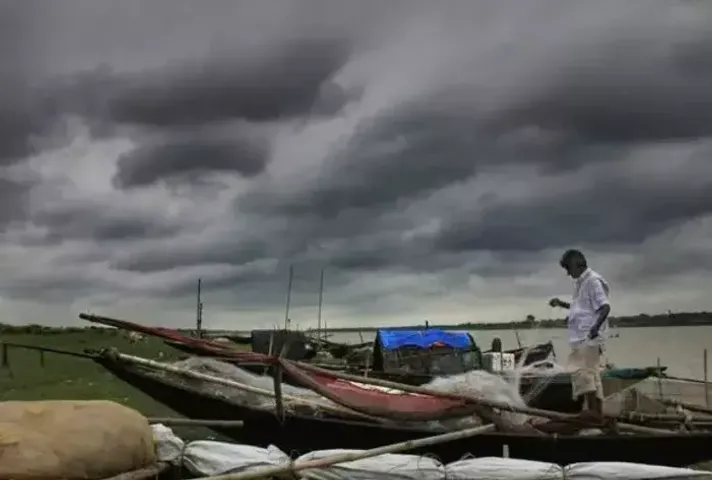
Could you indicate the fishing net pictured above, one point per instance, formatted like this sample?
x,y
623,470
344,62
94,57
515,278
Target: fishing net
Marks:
x,y
479,384
484,385
295,399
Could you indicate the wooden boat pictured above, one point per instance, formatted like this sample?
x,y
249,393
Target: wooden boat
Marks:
x,y
342,350
296,431
548,392
542,391
302,433
536,353
240,339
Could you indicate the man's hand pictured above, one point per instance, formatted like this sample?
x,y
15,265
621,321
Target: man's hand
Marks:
x,y
556,302
593,333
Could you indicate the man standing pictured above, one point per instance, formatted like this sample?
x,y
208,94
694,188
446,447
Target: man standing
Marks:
x,y
588,326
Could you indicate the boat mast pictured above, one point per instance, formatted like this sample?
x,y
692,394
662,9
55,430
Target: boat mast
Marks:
x,y
321,298
199,313
289,297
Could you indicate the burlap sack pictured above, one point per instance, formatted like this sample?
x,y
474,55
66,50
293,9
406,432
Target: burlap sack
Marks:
x,y
72,440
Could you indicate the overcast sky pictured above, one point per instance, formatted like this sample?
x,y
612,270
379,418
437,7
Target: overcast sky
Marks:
x,y
434,158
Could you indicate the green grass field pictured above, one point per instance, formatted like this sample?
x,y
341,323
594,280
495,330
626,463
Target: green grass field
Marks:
x,y
31,376
28,376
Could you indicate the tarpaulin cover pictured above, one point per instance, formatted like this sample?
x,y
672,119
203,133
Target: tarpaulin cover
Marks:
x,y
394,339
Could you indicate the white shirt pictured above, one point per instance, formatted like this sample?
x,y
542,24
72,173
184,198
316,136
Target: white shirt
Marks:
x,y
590,294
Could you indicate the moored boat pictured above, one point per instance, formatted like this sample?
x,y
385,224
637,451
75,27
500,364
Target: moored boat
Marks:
x,y
302,432
457,351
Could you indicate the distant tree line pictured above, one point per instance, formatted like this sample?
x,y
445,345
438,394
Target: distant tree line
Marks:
x,y
683,319
36,329
641,320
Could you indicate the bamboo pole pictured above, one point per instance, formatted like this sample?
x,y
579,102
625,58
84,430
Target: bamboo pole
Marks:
x,y
5,357
144,473
688,406
452,396
319,335
6,360
184,422
278,395
338,409
352,456
199,312
289,297
536,412
277,383
643,430
660,378
665,417
681,379
707,389
269,351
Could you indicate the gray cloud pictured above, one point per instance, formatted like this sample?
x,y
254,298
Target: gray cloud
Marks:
x,y
605,210
13,198
654,88
98,223
423,156
189,155
284,83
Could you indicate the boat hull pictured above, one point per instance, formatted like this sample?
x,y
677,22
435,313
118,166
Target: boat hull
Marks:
x,y
301,434
547,393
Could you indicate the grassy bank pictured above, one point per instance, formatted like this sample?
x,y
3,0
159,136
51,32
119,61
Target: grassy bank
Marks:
x,y
31,376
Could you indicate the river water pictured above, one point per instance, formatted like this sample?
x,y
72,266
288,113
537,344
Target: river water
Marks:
x,y
679,348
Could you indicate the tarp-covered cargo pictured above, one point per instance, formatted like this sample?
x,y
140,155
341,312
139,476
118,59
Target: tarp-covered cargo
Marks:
x,y
430,351
72,440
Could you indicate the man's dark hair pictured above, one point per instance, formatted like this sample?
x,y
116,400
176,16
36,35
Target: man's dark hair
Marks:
x,y
573,257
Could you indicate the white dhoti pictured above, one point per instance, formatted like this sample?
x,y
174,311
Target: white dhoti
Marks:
x,y
585,364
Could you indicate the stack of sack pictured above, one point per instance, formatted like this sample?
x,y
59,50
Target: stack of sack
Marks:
x,y
208,458
70,440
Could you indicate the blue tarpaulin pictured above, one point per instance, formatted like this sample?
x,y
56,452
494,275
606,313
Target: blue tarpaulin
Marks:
x,y
393,339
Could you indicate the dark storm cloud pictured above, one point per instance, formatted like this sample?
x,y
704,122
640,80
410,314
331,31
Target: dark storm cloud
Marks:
x,y
399,155
13,201
416,150
189,100
99,223
291,80
343,154
60,287
589,104
22,125
607,210
188,156
187,255
643,87
20,117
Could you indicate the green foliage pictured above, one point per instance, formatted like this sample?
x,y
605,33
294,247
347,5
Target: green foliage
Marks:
x,y
682,319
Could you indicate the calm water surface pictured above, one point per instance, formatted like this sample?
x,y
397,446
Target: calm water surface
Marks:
x,y
679,348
